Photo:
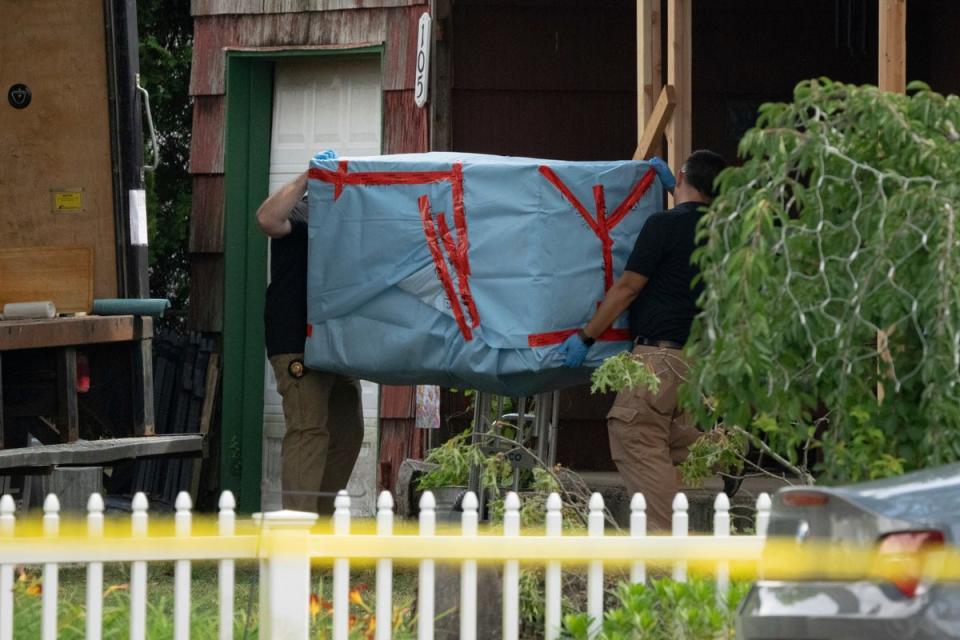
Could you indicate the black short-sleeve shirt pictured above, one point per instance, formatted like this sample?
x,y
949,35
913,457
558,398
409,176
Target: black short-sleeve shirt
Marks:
x,y
666,306
285,312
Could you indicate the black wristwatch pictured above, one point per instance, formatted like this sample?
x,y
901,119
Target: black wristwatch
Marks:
x,y
587,340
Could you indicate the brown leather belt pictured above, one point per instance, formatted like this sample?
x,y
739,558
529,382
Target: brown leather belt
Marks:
x,y
663,344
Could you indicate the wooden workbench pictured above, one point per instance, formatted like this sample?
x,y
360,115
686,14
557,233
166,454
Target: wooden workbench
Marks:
x,y
56,341
67,332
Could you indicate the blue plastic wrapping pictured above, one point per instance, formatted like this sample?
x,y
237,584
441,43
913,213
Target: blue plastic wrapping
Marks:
x,y
466,270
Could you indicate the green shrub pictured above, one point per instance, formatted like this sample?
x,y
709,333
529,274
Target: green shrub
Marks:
x,y
832,276
455,457
663,610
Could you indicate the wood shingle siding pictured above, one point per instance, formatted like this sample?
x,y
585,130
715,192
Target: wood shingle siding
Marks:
x,y
404,125
286,25
206,147
233,7
260,32
206,297
211,36
400,59
348,27
398,402
215,7
206,228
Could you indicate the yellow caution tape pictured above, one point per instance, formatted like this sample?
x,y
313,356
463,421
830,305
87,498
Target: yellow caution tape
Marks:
x,y
745,557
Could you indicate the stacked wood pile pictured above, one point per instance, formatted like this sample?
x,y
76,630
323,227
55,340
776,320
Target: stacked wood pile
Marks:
x,y
186,384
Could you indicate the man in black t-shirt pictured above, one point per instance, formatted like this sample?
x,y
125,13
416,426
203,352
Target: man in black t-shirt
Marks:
x,y
649,433
322,411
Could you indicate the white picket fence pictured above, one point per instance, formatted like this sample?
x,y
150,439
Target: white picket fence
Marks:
x,y
285,546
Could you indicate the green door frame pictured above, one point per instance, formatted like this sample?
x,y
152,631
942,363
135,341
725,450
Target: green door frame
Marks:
x,y
249,107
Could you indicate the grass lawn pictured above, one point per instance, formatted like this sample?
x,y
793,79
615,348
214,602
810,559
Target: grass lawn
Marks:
x,y
204,602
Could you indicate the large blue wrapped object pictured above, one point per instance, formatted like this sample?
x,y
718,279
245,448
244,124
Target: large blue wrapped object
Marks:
x,y
467,270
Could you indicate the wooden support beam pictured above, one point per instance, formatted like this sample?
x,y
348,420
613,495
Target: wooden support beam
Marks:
x,y
653,132
68,415
649,66
679,62
892,47
1,400
91,452
141,379
206,417
891,76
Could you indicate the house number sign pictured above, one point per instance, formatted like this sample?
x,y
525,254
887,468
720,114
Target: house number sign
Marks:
x,y
422,83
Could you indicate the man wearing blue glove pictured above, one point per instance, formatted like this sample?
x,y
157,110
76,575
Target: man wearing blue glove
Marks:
x,y
649,433
322,411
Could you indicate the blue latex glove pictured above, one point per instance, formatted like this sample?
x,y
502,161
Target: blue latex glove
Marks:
x,y
573,351
663,172
330,154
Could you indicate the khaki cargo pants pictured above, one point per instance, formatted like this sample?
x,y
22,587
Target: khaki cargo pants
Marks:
x,y
649,435
324,419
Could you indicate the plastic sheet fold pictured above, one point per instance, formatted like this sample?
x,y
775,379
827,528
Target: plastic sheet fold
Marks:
x,y
467,271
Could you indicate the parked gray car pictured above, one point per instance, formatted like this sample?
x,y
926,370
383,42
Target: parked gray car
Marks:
x,y
905,519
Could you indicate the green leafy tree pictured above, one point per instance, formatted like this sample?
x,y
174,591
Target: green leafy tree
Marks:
x,y
166,46
832,269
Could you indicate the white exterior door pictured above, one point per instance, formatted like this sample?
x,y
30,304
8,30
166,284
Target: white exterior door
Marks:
x,y
322,103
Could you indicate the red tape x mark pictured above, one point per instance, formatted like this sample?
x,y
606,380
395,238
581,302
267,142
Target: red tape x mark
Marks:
x,y
602,224
443,274
601,227
457,249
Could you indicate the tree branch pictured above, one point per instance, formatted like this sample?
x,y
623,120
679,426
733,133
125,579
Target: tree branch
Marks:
x,y
800,472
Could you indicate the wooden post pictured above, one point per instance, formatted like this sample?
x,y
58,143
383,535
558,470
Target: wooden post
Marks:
x,y
892,46
1,400
426,587
341,570
638,529
226,569
51,570
141,380
68,417
680,528
595,525
206,416
285,575
892,76
649,66
679,62
384,610
553,585
7,524
139,521
656,123
183,523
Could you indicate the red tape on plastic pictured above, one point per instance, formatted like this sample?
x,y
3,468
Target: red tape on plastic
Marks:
x,y
602,225
441,267
557,337
341,178
463,244
555,180
457,249
463,282
632,198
